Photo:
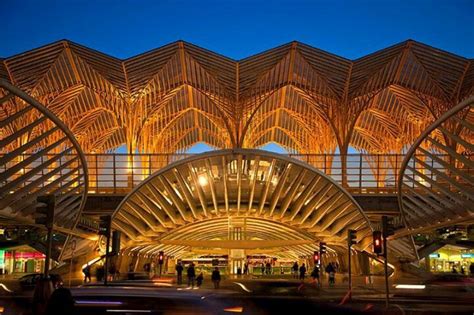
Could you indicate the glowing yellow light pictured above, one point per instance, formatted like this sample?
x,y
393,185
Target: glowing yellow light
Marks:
x,y
236,309
410,286
202,180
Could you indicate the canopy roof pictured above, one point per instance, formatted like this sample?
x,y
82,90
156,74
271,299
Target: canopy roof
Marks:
x,y
300,97
277,201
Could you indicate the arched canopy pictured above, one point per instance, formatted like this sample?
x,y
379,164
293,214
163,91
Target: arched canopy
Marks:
x,y
38,156
436,183
273,198
303,98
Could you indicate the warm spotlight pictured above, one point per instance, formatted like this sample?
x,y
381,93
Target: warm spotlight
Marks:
x,y
202,179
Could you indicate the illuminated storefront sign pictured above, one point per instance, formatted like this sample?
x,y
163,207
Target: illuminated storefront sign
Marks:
x,y
2,259
25,255
468,255
434,255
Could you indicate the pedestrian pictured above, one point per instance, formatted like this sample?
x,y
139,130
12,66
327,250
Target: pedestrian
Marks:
x,y
269,268
87,273
131,268
332,273
454,270
246,269
263,269
463,271
61,302
41,295
216,278
471,269
302,272
315,275
199,280
191,275
295,270
179,272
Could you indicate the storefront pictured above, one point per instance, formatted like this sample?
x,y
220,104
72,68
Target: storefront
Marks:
x,y
451,258
21,259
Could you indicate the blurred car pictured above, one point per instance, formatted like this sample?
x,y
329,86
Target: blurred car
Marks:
x,y
451,282
439,286
29,281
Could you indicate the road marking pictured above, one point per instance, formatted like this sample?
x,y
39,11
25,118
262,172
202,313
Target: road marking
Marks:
x,y
4,287
243,287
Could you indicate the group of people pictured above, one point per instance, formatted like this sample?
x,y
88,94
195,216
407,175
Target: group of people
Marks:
x,y
266,268
100,273
299,272
191,275
463,270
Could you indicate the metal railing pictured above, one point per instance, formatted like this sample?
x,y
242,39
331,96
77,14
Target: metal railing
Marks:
x,y
115,173
365,173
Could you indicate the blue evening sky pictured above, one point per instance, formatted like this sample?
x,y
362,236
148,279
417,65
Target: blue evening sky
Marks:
x,y
237,29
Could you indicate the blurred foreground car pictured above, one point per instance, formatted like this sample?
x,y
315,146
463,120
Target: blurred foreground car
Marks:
x,y
446,285
29,281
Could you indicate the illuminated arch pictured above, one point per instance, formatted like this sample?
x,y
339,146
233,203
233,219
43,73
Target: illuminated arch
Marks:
x,y
38,156
193,199
437,176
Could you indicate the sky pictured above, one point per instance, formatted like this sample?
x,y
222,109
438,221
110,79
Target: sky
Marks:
x,y
237,29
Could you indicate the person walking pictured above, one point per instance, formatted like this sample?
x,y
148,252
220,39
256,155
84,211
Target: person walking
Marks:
x,y
246,269
199,280
191,275
87,274
295,270
216,278
269,268
302,272
315,275
263,268
471,269
332,273
179,272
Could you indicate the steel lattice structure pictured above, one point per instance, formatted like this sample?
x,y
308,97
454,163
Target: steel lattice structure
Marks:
x,y
305,99
280,199
39,156
436,183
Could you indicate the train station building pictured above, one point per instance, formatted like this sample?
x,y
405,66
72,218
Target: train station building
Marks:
x,y
389,134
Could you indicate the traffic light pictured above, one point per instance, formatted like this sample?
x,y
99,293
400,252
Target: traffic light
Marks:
x,y
316,258
45,210
377,242
322,248
104,225
387,227
161,257
351,237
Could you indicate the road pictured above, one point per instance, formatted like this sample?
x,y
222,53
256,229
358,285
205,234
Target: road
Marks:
x,y
370,298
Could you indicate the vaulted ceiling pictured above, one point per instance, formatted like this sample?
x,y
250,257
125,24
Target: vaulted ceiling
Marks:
x,y
303,98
